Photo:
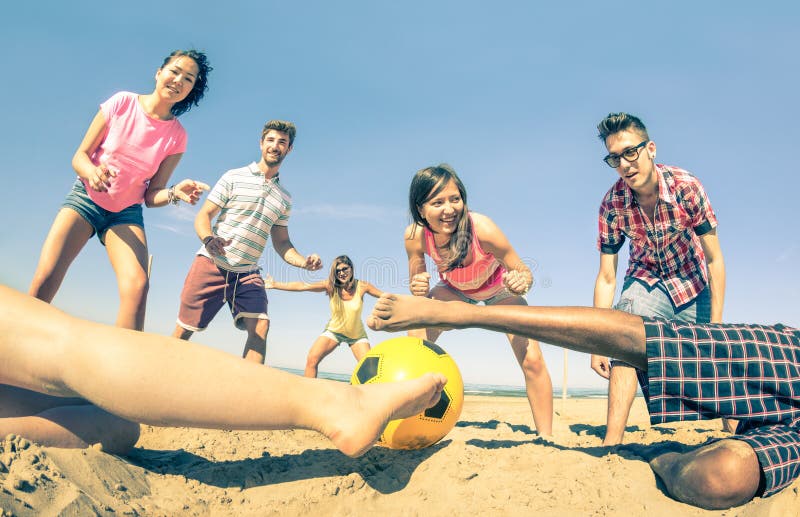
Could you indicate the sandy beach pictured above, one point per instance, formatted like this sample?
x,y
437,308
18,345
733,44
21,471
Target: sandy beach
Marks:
x,y
491,463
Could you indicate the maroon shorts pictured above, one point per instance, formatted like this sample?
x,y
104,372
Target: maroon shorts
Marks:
x,y
208,287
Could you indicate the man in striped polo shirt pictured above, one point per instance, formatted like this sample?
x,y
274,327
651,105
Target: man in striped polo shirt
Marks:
x,y
750,373
250,206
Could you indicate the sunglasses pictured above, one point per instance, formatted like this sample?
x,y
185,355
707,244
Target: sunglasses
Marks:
x,y
630,154
345,269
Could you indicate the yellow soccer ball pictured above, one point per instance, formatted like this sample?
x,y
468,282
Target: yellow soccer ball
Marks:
x,y
404,358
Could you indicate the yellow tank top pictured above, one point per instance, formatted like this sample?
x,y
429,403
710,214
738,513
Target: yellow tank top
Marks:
x,y
346,314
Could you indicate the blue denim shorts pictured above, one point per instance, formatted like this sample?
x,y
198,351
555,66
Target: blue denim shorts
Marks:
x,y
99,218
638,297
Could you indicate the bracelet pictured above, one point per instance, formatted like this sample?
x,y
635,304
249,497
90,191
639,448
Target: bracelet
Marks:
x,y
207,239
172,199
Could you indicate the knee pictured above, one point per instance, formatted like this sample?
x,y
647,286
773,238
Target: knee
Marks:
x,y
122,438
727,475
134,287
533,363
313,359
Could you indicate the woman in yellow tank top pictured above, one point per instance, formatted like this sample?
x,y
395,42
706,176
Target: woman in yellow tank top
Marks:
x,y
346,295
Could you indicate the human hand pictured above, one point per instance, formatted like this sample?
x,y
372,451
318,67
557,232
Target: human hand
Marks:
x,y
100,178
216,246
269,282
313,262
601,365
189,191
517,282
420,284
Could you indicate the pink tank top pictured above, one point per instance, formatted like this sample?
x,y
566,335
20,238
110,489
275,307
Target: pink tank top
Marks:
x,y
479,280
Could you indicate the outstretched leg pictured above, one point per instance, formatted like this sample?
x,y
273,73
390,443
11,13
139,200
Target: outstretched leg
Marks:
x,y
594,331
720,475
158,380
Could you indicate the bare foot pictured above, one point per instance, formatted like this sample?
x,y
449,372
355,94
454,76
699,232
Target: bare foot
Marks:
x,y
393,312
356,423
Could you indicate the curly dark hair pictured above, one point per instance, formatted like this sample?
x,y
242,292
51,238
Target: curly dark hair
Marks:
x,y
201,81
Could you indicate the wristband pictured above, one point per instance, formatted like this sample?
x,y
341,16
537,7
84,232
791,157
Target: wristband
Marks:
x,y
207,239
171,197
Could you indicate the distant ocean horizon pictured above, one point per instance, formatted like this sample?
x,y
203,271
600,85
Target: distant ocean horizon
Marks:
x,y
486,390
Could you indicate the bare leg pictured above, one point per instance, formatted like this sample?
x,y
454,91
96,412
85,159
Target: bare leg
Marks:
x,y
126,245
716,476
622,385
67,237
322,347
538,385
594,331
360,349
255,348
158,380
63,422
182,333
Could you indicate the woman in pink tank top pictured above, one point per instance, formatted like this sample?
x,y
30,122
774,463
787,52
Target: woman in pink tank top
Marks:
x,y
475,263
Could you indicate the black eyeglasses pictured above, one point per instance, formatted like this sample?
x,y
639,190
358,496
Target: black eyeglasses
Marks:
x,y
342,269
630,154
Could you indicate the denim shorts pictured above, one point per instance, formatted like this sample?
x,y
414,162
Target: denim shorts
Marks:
x,y
99,218
638,297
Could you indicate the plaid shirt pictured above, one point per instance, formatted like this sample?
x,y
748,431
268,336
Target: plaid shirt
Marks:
x,y
668,249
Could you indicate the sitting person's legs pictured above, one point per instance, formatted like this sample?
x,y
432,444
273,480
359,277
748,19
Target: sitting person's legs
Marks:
x,y
158,380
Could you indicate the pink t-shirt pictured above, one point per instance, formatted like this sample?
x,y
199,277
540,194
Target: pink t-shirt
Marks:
x,y
134,146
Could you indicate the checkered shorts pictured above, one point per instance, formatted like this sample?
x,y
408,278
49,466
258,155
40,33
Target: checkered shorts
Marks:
x,y
747,372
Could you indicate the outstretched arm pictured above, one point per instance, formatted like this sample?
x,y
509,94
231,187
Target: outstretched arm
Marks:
x,y
316,287
159,380
371,289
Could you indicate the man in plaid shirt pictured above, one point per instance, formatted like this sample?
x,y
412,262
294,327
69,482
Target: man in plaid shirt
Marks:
x,y
747,372
675,271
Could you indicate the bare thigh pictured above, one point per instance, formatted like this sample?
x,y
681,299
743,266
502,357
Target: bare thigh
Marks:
x,y
126,245
68,235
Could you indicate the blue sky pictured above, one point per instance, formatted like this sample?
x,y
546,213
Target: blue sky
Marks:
x,y
509,93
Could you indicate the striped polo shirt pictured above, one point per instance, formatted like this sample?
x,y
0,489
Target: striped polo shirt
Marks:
x,y
250,205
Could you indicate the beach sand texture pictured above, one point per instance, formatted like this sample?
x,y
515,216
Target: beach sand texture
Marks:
x,y
491,463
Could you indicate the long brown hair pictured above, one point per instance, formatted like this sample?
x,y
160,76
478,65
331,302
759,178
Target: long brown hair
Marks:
x,y
425,185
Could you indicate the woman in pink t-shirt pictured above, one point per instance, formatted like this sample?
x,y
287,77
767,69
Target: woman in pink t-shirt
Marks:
x,y
476,263
125,159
